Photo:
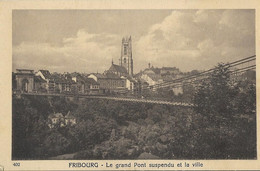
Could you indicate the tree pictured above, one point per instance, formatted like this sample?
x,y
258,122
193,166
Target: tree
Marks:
x,y
56,144
226,109
214,96
246,100
28,129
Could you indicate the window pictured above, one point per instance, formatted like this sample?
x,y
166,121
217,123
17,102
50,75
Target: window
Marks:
x,y
124,60
25,84
125,50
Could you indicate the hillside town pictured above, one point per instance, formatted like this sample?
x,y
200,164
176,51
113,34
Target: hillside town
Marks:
x,y
115,80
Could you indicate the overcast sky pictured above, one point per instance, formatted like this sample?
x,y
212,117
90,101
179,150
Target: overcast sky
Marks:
x,y
87,40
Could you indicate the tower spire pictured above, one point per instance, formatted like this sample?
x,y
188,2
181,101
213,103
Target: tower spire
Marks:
x,y
126,59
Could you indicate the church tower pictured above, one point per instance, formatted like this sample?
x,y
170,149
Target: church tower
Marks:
x,y
126,59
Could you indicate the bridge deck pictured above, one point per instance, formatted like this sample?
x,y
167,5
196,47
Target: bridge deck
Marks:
x,y
116,98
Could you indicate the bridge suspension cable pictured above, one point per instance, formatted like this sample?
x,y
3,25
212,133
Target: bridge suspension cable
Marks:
x,y
179,81
237,71
198,77
229,65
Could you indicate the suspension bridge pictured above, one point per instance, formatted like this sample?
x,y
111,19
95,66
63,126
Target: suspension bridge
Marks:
x,y
126,99
235,68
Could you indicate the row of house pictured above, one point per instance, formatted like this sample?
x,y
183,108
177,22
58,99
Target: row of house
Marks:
x,y
115,79
43,81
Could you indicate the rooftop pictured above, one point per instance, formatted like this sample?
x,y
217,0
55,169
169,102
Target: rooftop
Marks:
x,y
24,71
69,116
56,115
155,77
46,74
91,81
118,68
38,79
98,75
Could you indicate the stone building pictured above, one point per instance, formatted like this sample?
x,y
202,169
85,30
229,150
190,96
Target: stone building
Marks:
x,y
70,119
55,82
39,85
108,82
84,84
152,79
24,79
129,82
79,82
61,83
57,119
91,86
126,59
119,78
46,75
117,70
169,71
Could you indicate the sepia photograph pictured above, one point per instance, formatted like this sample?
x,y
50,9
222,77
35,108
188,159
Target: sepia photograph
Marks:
x,y
133,84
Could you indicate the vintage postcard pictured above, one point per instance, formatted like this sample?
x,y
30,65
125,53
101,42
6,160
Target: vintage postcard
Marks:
x,y
129,85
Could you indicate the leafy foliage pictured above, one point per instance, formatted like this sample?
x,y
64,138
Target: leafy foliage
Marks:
x,y
224,108
222,126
